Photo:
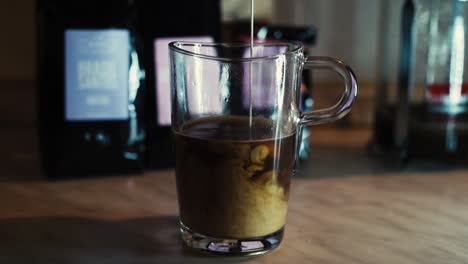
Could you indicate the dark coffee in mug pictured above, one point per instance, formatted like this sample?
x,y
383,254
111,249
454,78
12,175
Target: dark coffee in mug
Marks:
x,y
233,181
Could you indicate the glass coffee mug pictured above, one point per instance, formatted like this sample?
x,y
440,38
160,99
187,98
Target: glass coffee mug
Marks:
x,y
236,124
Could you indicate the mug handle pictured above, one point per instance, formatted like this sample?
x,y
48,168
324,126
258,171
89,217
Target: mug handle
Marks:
x,y
343,106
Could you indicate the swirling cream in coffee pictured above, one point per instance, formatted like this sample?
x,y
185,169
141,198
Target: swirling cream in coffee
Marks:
x,y
233,181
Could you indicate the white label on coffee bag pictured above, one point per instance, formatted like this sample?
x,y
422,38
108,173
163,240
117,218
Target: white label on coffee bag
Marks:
x,y
96,74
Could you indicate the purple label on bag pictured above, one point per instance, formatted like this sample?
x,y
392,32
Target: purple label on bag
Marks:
x,y
262,85
162,76
96,74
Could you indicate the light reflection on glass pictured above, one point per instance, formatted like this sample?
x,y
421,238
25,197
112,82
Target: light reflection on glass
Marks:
x,y
457,60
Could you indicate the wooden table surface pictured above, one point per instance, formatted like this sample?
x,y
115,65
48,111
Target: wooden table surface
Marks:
x,y
344,208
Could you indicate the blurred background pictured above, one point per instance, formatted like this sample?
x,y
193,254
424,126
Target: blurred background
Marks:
x,y
346,29
408,56
349,32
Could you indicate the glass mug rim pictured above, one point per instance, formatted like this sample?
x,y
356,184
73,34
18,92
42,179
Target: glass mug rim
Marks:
x,y
293,47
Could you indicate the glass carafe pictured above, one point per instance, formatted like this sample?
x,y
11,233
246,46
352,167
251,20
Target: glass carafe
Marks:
x,y
422,108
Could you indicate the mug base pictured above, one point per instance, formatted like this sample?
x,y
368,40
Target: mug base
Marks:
x,y
231,247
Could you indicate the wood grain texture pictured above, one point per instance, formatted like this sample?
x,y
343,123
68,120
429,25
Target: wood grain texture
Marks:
x,y
344,208
405,218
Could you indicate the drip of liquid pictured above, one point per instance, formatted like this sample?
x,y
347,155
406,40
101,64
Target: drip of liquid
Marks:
x,y
252,9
